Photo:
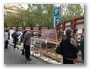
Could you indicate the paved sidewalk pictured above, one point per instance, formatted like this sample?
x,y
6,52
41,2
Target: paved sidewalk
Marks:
x,y
13,56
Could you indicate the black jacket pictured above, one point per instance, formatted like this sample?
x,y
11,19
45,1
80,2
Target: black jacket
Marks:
x,y
68,50
15,36
82,48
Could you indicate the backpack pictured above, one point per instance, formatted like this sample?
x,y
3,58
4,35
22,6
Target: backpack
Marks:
x,y
13,35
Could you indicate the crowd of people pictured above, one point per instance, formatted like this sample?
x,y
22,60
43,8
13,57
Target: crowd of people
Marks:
x,y
25,38
67,48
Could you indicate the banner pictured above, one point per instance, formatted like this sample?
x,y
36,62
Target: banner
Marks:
x,y
49,34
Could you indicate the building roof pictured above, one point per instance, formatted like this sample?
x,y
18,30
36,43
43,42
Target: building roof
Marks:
x,y
12,8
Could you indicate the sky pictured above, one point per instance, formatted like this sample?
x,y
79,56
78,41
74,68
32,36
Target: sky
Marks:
x,y
25,5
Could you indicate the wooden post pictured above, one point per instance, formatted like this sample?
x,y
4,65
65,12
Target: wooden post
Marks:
x,y
40,45
46,47
56,38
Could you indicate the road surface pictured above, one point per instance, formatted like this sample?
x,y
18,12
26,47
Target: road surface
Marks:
x,y
13,56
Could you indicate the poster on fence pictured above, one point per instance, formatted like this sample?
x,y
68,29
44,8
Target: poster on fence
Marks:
x,y
50,34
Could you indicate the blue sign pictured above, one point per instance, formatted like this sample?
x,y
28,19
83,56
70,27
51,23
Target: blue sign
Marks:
x,y
57,21
57,11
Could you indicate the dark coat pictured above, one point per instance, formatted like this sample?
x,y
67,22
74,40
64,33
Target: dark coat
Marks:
x,y
82,48
15,36
67,49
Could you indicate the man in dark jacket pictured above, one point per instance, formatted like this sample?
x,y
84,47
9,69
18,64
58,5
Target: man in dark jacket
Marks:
x,y
15,38
27,42
68,48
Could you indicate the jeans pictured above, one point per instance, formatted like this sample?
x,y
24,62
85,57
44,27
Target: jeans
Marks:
x,y
27,51
15,42
6,44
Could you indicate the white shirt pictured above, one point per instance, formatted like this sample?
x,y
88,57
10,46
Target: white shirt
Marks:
x,y
6,36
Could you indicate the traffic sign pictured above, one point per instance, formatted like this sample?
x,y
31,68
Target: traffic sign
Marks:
x,y
57,21
56,11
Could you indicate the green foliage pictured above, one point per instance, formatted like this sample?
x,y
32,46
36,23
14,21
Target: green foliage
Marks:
x,y
42,15
71,11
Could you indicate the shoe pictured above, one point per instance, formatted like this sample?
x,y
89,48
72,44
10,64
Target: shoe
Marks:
x,y
29,59
6,48
15,48
22,53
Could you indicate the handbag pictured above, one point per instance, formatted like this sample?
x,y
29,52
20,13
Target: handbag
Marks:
x,y
59,49
21,47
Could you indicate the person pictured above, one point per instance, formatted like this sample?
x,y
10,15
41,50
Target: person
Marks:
x,y
82,48
22,40
68,48
27,41
6,38
15,38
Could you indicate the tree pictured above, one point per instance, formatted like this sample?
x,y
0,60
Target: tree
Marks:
x,y
11,20
71,11
42,15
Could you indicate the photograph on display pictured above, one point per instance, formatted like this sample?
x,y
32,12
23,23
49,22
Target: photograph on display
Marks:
x,y
44,34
